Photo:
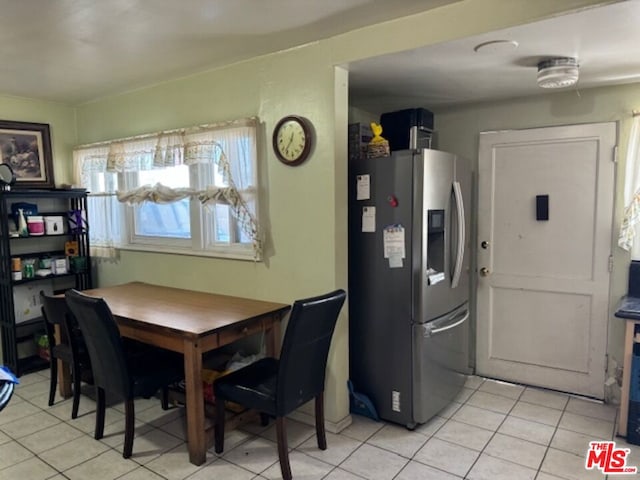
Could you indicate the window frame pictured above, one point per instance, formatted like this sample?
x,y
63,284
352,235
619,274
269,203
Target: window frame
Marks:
x,y
202,218
202,223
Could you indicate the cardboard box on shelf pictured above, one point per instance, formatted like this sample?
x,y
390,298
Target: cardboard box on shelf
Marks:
x,y
26,300
59,266
360,135
54,225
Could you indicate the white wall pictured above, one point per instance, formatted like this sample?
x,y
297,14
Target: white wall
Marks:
x,y
458,131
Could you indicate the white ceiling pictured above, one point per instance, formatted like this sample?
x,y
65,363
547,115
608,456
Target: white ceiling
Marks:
x,y
74,51
606,41
78,50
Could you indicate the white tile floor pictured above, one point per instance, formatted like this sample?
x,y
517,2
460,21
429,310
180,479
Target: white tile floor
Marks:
x,y
493,431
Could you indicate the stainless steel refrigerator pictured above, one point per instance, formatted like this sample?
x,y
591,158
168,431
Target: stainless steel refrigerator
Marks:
x,y
409,282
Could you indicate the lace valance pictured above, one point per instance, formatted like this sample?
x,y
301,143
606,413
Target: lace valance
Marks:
x,y
187,146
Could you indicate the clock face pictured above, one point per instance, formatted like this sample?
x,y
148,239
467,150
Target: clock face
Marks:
x,y
292,140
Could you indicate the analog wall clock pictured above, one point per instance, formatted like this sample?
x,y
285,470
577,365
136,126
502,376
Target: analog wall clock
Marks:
x,y
292,140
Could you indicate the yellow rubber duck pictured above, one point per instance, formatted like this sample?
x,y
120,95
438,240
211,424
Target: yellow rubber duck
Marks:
x,y
377,131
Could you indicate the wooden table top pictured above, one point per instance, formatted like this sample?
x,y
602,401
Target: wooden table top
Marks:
x,y
184,311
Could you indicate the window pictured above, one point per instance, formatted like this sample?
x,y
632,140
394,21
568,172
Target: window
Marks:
x,y
191,191
157,223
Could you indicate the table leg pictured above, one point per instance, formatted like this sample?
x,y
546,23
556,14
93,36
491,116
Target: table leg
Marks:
x,y
196,440
626,378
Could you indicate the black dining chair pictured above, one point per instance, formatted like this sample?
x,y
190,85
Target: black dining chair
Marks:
x,y
71,349
114,371
276,387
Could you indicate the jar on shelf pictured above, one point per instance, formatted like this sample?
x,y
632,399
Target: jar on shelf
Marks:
x,y
35,225
16,268
45,261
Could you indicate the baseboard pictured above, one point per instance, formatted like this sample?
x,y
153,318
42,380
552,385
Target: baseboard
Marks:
x,y
333,427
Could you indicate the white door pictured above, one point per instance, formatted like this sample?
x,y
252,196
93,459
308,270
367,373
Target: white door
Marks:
x,y
543,285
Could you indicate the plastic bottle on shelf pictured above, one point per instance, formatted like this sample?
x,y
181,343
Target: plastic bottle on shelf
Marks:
x,y
23,231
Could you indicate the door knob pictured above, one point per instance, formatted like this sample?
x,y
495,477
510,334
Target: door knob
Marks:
x,y
484,271
485,244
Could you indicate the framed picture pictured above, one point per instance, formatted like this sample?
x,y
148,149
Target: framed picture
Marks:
x,y
26,147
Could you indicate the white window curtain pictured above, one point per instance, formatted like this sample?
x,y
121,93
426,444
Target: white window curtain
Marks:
x,y
105,214
220,144
631,218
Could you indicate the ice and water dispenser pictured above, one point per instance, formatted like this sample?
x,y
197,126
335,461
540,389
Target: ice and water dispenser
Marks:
x,y
435,241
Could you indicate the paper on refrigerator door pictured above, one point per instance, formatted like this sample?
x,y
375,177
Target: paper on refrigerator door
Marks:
x,y
393,240
368,219
395,261
363,191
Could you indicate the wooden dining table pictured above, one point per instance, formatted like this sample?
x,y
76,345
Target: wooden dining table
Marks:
x,y
191,323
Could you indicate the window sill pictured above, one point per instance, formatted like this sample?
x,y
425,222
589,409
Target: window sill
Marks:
x,y
231,253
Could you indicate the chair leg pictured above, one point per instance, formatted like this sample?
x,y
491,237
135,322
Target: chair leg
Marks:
x,y
53,367
320,434
165,398
129,420
219,426
283,449
76,389
100,412
264,419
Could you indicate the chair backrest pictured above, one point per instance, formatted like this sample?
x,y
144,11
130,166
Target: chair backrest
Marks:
x,y
103,341
303,358
54,310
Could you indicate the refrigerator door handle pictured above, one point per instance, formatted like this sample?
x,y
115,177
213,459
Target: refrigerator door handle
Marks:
x,y
430,331
457,270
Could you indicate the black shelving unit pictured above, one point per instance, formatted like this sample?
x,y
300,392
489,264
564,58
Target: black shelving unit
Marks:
x,y
50,202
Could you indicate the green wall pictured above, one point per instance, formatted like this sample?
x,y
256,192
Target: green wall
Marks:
x,y
297,207
302,209
61,120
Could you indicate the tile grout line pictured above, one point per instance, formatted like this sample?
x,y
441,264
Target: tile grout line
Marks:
x,y
494,434
555,431
556,427
433,435
83,433
252,436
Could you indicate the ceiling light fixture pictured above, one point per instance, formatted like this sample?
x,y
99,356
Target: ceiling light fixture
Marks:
x,y
559,72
